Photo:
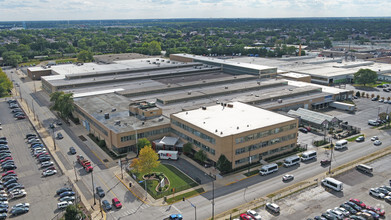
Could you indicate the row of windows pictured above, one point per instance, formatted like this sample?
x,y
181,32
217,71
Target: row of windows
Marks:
x,y
256,156
195,142
264,144
264,133
145,134
194,132
92,122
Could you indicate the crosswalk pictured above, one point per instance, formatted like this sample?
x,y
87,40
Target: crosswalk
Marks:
x,y
126,212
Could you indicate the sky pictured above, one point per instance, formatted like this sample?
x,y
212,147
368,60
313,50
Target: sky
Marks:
x,y
26,10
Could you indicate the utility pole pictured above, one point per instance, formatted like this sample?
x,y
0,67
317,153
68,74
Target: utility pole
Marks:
x,y
74,168
93,188
32,103
100,207
213,199
331,155
54,140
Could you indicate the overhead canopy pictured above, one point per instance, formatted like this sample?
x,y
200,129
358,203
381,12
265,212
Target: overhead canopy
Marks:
x,y
312,117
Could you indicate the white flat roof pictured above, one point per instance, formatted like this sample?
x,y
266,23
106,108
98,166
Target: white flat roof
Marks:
x,y
327,89
229,121
295,75
228,62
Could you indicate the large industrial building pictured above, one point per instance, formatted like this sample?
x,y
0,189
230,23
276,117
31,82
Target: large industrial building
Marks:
x,y
220,106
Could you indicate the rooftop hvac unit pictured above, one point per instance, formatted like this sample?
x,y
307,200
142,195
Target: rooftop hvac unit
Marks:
x,y
117,122
107,116
226,87
113,109
189,92
203,107
230,105
161,118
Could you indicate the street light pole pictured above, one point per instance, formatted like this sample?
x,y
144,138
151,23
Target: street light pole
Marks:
x,y
213,199
54,139
93,188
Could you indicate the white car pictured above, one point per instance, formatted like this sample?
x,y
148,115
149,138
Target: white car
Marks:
x,y
254,214
4,202
272,206
376,193
18,194
377,142
287,177
49,172
374,138
46,163
25,204
344,211
67,198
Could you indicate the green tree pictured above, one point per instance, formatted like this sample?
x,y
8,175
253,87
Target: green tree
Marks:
x,y
365,76
152,48
201,156
72,212
358,94
5,84
63,103
223,164
187,148
84,56
146,161
12,58
327,43
143,142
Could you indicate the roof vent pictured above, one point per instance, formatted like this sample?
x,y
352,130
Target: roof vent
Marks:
x,y
203,107
100,110
161,119
216,130
259,83
113,109
237,127
221,132
142,123
189,92
117,122
187,113
226,87
230,105
248,125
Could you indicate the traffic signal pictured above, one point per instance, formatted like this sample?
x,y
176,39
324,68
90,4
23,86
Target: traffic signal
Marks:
x,y
183,199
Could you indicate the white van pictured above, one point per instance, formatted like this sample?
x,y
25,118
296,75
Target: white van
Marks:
x,y
373,122
267,169
63,205
332,184
309,155
291,161
341,144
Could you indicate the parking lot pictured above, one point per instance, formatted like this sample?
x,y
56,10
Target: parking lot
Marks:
x,y
40,190
315,201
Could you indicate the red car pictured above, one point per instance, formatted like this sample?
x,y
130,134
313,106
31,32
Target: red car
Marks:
x,y
379,211
116,203
43,153
5,159
8,172
244,216
358,202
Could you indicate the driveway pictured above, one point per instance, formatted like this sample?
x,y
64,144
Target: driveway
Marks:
x,y
189,169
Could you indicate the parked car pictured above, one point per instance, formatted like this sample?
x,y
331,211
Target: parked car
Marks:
x,y
67,198
354,205
59,136
379,211
72,150
9,167
254,214
19,211
49,172
64,189
19,193
175,217
272,206
372,213
304,130
358,202
245,216
46,164
67,193
116,203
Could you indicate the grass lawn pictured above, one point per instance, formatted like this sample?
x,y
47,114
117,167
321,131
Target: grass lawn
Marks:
x,y
177,179
354,138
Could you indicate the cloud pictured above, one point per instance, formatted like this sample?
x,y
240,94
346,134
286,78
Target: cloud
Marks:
x,y
139,9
